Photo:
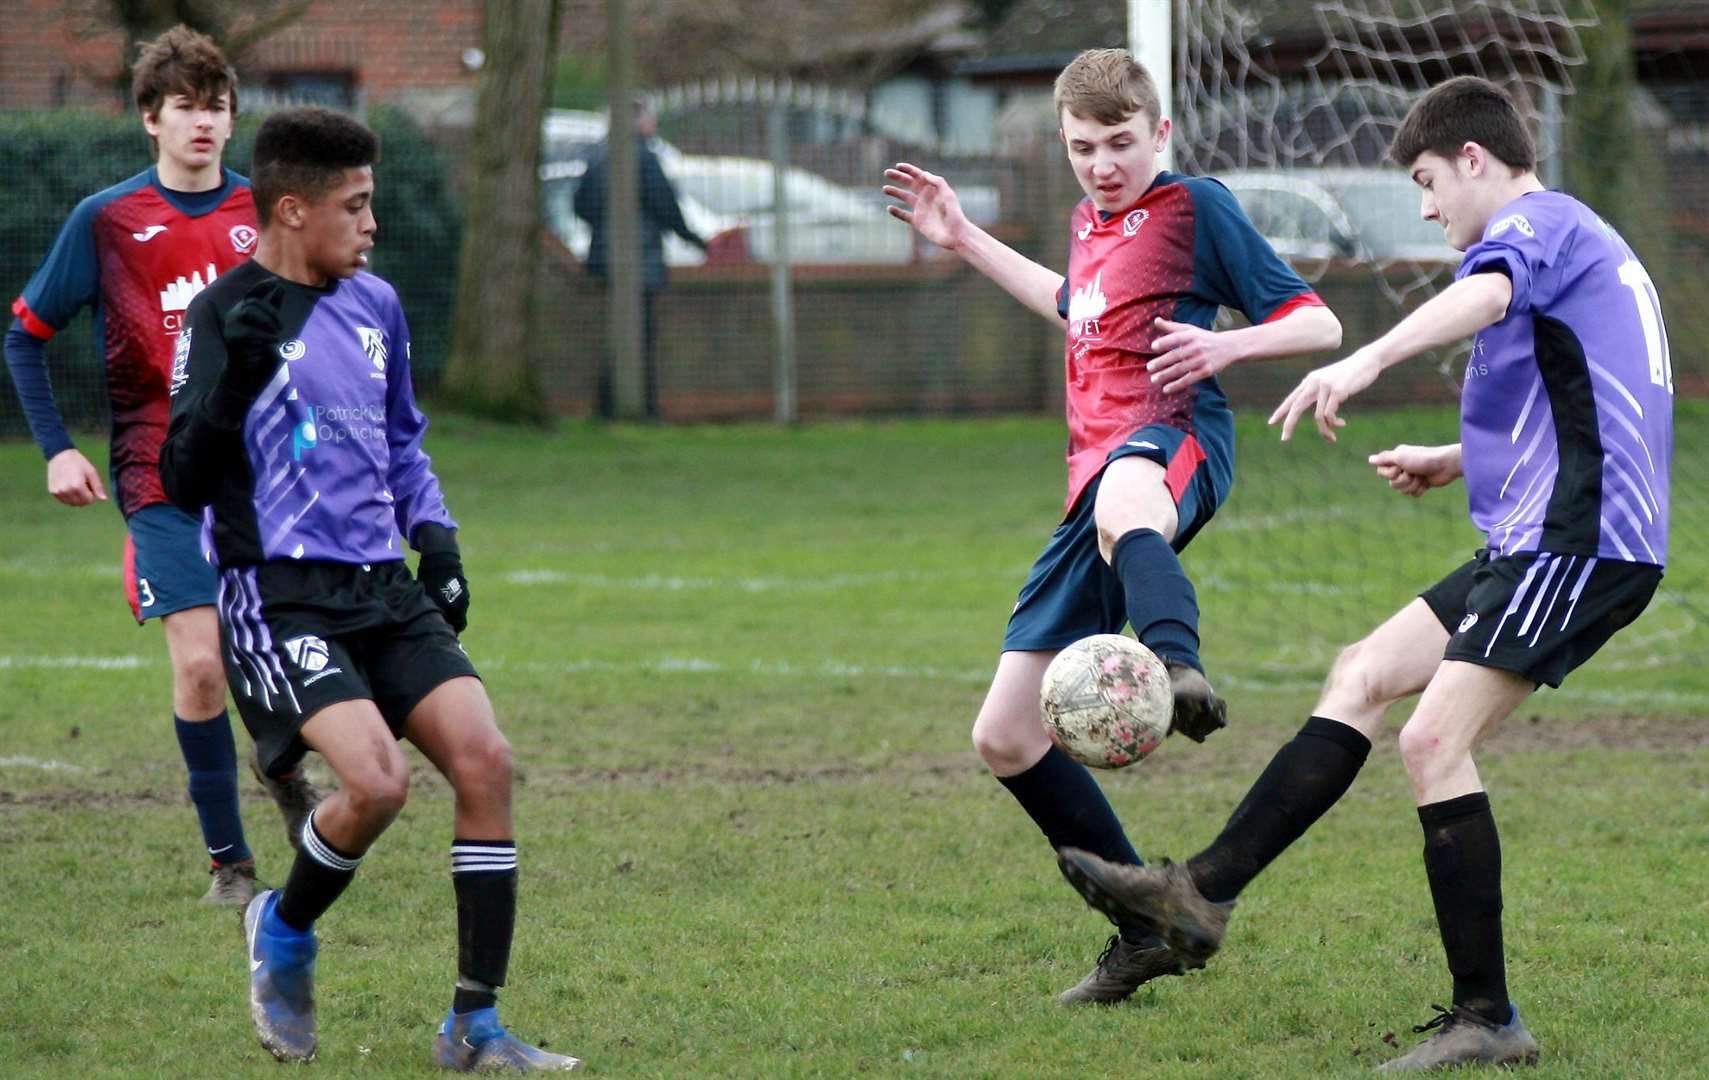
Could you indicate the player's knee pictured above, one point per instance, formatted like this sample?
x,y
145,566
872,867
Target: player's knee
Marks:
x,y
1357,677
200,679
377,792
1000,744
1422,747
486,762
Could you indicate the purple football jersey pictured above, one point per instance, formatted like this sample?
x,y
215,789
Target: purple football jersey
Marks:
x,y
1566,418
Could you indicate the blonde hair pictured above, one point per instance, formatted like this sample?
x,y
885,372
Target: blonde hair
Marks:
x,y
1107,85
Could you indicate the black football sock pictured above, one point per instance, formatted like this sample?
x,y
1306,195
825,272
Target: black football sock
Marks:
x,y
1462,857
318,876
1069,807
483,872
1300,784
1162,607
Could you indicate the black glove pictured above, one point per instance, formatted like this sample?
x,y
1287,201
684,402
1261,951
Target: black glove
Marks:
x,y
252,329
440,572
1198,709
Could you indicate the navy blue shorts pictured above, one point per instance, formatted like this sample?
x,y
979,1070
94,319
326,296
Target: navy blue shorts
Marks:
x,y
165,570
1071,592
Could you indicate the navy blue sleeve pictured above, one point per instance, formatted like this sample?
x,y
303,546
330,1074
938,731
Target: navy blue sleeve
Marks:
x,y
1233,265
26,358
658,199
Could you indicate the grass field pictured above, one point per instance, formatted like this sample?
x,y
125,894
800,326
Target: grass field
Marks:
x,y
739,665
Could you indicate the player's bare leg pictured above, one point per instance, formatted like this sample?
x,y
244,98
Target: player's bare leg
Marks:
x,y
1009,732
204,736
279,924
1462,858
1137,520
454,727
1188,905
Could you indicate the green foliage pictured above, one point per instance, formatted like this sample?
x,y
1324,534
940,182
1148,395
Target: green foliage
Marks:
x,y
578,82
60,157
738,666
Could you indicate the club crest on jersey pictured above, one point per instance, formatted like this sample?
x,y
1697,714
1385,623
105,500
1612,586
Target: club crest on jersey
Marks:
x,y
1134,219
1512,221
374,344
243,238
308,652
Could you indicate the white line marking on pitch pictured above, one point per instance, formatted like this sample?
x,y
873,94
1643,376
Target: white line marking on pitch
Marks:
x,y
18,761
99,663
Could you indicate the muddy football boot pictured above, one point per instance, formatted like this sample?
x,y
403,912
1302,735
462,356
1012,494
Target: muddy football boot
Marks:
x,y
233,884
476,1042
1198,711
281,980
294,796
1123,967
1462,1037
1160,898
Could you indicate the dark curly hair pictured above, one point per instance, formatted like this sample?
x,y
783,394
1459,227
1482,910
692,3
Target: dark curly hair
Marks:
x,y
304,151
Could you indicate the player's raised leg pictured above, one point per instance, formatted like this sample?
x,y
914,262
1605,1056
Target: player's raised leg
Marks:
x,y
454,726
373,782
1138,516
1188,904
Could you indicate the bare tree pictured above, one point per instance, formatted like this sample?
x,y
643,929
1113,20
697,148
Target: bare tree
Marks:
x,y
235,27
490,370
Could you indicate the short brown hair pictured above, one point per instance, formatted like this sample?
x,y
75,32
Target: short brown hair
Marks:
x,y
1462,110
304,151
181,61
1107,85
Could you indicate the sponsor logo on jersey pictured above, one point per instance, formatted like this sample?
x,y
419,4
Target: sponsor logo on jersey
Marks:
x,y
177,295
1512,221
374,344
1468,622
148,233
1134,219
293,349
303,437
1085,233
308,652
1087,302
243,238
181,361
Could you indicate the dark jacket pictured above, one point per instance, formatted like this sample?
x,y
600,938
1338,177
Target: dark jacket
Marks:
x,y
659,214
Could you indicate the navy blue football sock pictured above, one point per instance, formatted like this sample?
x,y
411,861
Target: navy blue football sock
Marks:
x,y
211,755
1069,807
1162,607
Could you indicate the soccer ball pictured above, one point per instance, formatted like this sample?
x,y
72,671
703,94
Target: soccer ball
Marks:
x,y
1107,701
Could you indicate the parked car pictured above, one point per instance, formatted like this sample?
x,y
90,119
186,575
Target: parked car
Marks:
x,y
728,201
1340,212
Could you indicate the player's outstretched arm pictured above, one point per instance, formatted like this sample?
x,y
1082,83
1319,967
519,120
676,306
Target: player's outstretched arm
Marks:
x,y
1188,353
1413,470
930,205
1454,314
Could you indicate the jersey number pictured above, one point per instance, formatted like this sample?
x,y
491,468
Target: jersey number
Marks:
x,y
145,595
1635,277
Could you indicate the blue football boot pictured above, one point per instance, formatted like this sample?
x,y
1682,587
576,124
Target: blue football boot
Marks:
x,y
281,980
476,1042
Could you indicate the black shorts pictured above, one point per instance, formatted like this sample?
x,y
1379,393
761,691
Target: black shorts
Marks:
x,y
1536,614
297,637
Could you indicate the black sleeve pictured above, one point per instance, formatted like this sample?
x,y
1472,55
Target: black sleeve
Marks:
x,y
205,434
658,198
589,203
